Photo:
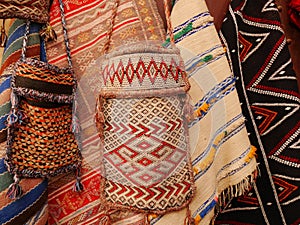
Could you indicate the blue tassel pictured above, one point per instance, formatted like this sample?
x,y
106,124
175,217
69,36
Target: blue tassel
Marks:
x,y
75,125
12,119
78,186
14,190
22,116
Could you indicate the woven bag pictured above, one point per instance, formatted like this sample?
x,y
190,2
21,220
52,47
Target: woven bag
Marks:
x,y
140,115
41,142
34,10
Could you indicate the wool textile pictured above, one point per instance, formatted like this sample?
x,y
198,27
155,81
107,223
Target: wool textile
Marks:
x,y
267,87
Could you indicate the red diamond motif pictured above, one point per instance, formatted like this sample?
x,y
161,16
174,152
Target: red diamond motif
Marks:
x,y
146,177
145,161
144,145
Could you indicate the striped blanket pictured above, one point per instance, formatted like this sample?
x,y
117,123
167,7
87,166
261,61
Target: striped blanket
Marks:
x,y
10,55
31,208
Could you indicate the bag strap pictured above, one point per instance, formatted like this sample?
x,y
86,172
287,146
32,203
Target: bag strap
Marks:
x,y
65,34
112,22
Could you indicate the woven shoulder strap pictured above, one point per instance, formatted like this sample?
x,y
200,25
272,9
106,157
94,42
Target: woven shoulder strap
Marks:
x,y
65,34
112,22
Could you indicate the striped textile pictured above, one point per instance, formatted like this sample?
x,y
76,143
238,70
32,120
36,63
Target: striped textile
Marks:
x,y
222,156
11,54
137,20
31,208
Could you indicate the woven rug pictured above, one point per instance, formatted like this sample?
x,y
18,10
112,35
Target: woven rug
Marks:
x,y
86,23
267,86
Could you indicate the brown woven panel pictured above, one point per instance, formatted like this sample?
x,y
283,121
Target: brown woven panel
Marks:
x,y
38,70
35,10
43,145
44,82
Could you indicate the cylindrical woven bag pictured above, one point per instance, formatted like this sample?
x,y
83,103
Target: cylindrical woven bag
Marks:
x,y
141,116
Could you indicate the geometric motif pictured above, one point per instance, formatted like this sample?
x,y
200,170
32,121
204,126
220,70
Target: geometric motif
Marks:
x,y
284,189
268,119
267,87
145,153
140,115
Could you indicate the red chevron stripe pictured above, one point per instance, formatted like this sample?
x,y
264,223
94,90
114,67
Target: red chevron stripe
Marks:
x,y
178,190
150,193
162,193
171,190
113,188
139,193
123,189
131,192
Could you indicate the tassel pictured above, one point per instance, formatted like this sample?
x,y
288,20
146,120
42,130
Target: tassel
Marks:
x,y
78,186
202,109
12,119
14,190
21,116
3,35
147,220
75,127
48,33
189,220
251,154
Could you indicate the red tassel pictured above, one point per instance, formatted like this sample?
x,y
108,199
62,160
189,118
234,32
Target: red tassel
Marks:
x,y
189,220
3,36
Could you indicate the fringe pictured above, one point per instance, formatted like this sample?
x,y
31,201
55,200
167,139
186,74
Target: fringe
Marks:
x,y
238,189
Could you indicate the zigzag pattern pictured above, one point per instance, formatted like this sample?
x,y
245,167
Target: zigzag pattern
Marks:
x,y
145,154
158,197
145,72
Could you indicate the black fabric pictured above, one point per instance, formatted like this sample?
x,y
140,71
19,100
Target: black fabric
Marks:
x,y
267,88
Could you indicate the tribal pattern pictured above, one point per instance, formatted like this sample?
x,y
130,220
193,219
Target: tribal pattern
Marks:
x,y
267,87
149,68
146,153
